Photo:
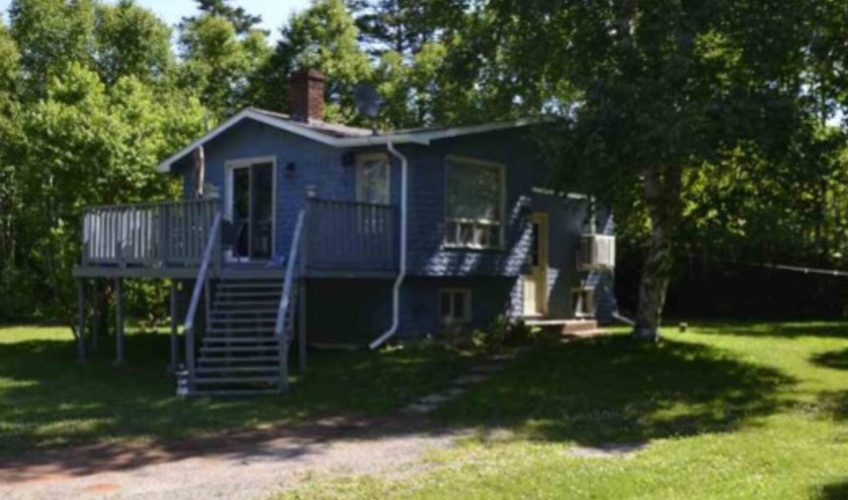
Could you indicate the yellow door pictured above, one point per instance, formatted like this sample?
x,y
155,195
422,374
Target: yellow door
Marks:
x,y
536,282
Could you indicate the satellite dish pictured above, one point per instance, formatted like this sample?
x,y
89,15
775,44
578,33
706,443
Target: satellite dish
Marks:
x,y
368,100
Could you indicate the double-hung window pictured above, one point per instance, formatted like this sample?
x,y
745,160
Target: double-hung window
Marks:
x,y
475,204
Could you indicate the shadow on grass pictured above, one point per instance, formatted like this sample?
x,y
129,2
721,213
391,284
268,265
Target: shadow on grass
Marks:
x,y
833,491
616,390
833,359
594,392
833,404
49,401
784,330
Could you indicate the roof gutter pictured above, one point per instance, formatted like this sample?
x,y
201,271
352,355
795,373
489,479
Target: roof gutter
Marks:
x,y
404,166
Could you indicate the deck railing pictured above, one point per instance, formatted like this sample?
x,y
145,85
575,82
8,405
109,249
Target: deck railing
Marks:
x,y
351,235
208,254
149,234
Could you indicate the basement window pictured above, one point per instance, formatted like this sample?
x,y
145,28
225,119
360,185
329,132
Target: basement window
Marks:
x,y
455,305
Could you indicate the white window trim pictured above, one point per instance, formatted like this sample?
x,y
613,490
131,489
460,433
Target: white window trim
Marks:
x,y
468,303
361,160
229,167
501,168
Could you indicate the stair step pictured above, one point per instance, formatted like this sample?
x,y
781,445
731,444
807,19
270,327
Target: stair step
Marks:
x,y
258,304
237,380
247,293
235,392
242,321
238,359
242,340
240,330
238,285
221,370
237,349
242,312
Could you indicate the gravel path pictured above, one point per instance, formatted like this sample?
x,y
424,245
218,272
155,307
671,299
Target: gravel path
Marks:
x,y
246,466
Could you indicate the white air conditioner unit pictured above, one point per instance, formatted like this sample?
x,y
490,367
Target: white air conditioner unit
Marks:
x,y
597,251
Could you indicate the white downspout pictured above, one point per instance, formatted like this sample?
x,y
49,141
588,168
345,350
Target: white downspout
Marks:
x,y
402,271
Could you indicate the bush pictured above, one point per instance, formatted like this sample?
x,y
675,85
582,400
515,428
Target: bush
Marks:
x,y
501,333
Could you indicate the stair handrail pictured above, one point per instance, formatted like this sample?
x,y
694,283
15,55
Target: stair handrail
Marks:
x,y
288,282
199,285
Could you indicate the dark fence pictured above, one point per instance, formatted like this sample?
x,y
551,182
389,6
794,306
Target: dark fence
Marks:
x,y
733,290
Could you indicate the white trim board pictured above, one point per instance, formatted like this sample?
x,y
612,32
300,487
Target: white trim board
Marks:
x,y
229,167
423,137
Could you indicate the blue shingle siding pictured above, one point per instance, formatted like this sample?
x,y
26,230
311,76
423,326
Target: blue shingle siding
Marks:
x,y
420,315
314,165
427,257
493,276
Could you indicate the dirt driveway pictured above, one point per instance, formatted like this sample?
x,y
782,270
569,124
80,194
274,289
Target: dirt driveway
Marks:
x,y
245,465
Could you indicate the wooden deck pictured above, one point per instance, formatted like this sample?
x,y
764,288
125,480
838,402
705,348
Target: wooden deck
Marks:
x,y
343,239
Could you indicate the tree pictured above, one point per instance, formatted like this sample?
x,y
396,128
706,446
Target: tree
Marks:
x,y
84,145
405,26
132,41
51,35
666,88
87,109
243,22
323,37
219,65
10,201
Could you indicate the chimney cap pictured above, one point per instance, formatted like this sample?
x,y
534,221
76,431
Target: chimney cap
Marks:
x,y
309,74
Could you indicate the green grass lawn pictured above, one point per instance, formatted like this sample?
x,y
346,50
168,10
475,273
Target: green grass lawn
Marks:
x,y
723,411
47,399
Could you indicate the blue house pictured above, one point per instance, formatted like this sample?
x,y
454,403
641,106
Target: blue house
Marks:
x,y
296,230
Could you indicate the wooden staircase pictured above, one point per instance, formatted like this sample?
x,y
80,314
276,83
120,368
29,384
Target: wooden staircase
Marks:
x,y
248,329
240,353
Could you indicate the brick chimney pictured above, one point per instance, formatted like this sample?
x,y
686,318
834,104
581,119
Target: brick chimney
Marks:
x,y
306,95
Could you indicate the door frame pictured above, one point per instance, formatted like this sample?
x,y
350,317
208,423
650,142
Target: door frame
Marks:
x,y
539,274
361,159
229,167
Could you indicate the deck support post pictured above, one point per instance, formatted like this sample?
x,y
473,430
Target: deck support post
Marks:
x,y
175,346
301,326
119,319
81,320
95,316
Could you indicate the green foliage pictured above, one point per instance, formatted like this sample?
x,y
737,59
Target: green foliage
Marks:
x,y
324,37
87,144
51,36
86,111
243,22
405,26
132,41
501,334
219,65
671,94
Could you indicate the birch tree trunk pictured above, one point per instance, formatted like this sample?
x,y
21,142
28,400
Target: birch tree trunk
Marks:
x,y
662,196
